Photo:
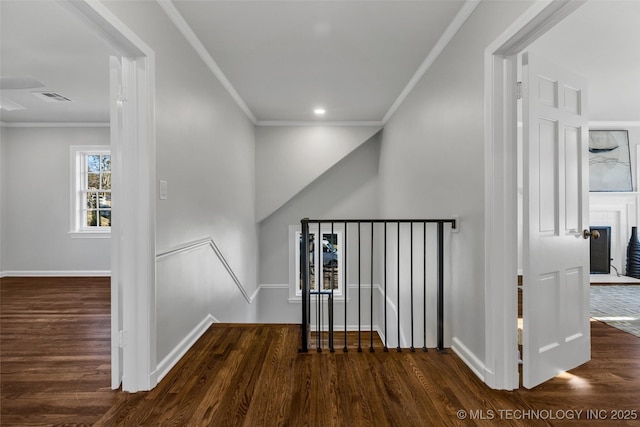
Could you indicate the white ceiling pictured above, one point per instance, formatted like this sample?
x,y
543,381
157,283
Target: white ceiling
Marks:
x,y
284,58
43,40
601,41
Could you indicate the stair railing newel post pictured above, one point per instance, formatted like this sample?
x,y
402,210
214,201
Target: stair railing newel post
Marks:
x,y
633,255
306,280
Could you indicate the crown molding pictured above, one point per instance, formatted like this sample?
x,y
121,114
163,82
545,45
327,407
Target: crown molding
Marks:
x,y
318,123
54,124
179,21
613,124
455,25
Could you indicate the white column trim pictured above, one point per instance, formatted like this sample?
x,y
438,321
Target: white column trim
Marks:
x,y
133,251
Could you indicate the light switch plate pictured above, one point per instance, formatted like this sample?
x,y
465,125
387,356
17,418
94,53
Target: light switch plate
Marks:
x,y
163,190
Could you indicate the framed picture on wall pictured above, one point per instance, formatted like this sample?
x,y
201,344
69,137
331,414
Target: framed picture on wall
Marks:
x,y
609,161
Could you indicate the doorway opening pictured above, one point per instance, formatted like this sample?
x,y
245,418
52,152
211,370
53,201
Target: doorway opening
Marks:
x,y
133,356
501,189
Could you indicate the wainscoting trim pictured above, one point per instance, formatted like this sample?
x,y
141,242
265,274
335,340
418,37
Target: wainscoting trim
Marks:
x,y
207,241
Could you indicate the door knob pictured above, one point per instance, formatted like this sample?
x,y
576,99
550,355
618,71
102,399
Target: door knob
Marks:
x,y
595,234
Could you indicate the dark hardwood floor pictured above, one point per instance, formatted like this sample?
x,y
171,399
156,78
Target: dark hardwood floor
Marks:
x,y
55,350
54,370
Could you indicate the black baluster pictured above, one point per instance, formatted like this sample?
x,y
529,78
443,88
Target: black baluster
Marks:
x,y
345,285
318,278
424,277
440,286
398,348
371,295
304,273
386,348
411,282
332,265
359,292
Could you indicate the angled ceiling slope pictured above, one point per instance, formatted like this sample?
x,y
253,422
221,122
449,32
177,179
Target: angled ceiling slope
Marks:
x,y
278,180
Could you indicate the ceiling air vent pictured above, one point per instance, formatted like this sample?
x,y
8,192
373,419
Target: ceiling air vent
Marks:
x,y
51,97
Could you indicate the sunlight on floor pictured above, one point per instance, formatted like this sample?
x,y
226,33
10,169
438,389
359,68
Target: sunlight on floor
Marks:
x,y
615,318
576,381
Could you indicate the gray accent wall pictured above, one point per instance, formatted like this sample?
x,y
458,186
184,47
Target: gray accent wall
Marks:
x,y
35,187
289,158
349,189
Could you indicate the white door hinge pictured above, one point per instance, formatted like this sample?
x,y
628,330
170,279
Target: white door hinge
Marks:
x,y
122,339
519,90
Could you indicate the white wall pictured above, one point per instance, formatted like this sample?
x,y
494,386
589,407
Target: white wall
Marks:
x,y
36,204
2,192
205,151
432,163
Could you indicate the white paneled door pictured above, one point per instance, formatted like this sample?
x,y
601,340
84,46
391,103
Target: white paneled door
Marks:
x,y
556,332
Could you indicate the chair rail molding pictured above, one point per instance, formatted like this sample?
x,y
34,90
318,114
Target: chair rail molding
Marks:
x,y
208,241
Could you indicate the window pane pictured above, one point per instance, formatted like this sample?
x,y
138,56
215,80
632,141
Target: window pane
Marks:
x,y
106,181
92,200
312,257
92,218
330,273
105,218
105,200
93,181
93,163
312,270
106,163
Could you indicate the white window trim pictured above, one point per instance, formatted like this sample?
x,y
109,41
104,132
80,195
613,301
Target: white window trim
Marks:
x,y
294,257
76,228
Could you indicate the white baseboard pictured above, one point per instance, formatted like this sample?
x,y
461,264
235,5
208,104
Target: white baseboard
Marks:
x,y
469,358
56,273
181,349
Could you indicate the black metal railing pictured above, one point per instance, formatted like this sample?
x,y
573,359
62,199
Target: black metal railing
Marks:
x,y
313,283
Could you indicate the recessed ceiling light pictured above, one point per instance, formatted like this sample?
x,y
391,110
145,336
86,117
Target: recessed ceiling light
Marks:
x,y
319,111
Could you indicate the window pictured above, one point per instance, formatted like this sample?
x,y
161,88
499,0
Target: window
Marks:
x,y
325,260
91,191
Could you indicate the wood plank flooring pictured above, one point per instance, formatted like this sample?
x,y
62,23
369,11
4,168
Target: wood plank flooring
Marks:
x,y
55,350
54,370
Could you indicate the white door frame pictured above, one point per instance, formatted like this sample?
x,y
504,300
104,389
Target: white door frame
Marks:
x,y
133,231
501,203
